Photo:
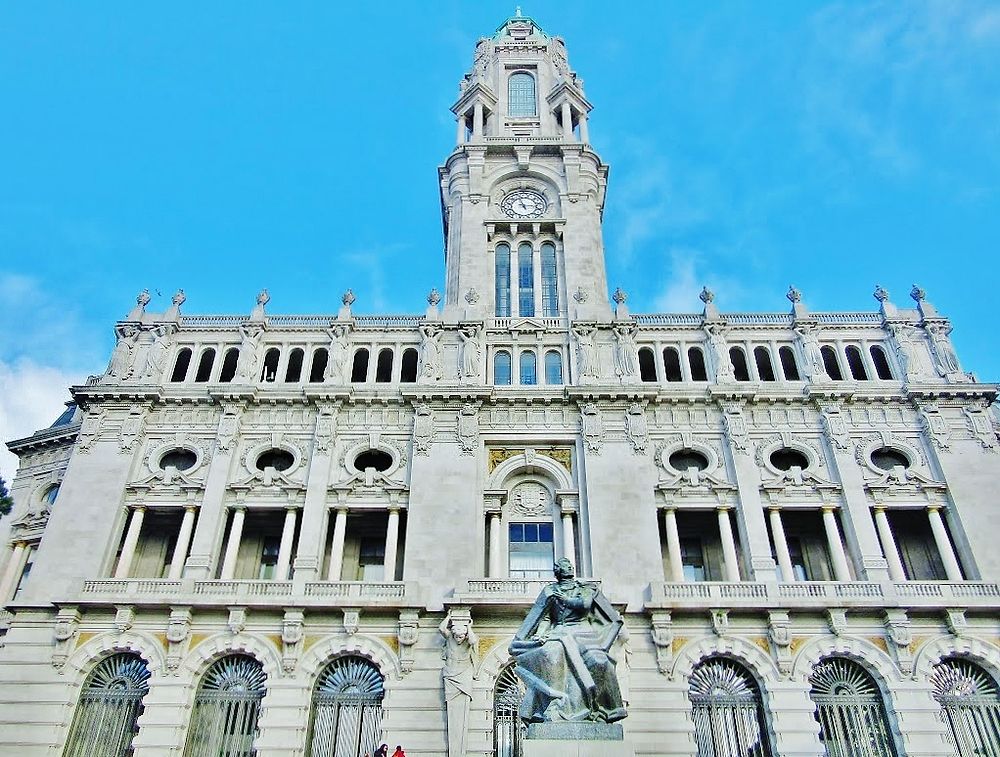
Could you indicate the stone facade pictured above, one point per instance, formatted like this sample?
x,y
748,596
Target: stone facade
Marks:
x,y
771,489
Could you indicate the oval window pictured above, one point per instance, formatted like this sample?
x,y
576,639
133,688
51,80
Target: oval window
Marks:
x,y
179,458
373,458
683,459
278,459
888,458
787,458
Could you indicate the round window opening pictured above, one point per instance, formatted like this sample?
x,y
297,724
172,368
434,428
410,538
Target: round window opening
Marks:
x,y
179,458
373,458
278,459
787,458
683,459
887,458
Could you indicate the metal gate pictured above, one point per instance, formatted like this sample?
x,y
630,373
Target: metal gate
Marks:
x,y
508,730
226,708
110,705
347,709
728,711
850,710
970,705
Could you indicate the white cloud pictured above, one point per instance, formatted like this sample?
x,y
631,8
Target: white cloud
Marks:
x,y
31,397
680,294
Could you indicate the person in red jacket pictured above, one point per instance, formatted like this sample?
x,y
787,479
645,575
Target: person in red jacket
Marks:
x,y
399,752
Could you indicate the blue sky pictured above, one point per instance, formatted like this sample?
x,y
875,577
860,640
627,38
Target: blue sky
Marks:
x,y
224,147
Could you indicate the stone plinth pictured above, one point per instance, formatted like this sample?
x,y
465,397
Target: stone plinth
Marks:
x,y
567,739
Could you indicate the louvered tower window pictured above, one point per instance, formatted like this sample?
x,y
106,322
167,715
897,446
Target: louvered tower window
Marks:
x,y
508,731
970,705
347,709
226,708
728,711
521,95
110,705
850,710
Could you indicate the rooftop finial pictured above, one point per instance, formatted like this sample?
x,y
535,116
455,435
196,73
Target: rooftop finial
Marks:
x,y
517,11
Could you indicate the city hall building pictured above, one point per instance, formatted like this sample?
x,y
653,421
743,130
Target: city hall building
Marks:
x,y
253,534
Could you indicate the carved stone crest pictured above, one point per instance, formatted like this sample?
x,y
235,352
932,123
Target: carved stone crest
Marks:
x,y
292,625
423,428
407,635
636,427
591,425
468,427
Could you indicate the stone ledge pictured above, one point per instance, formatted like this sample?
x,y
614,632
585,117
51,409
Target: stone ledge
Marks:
x,y
566,730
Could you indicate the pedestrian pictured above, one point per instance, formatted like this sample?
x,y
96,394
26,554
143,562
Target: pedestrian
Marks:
x,y
382,751
399,752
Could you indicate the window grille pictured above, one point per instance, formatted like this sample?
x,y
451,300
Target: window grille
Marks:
x,y
728,711
521,95
553,367
508,730
502,281
850,710
501,369
550,285
110,705
347,709
226,708
970,705
528,374
525,281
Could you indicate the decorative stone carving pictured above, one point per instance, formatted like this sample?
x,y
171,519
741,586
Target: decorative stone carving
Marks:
x,y
178,631
530,499
250,349
468,428
90,429
626,353
326,423
588,362
338,363
352,620
591,425
66,625
736,426
124,618
292,633
898,632
662,634
718,353
779,631
430,353
636,427
622,654
981,428
945,358
121,358
257,315
237,620
836,618
835,426
911,356
407,634
812,365
956,621
936,425
471,354
472,296
461,659
229,428
141,300
148,355
720,622
423,428
580,295
131,429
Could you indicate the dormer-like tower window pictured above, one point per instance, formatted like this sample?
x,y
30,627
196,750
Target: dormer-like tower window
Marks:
x,y
521,101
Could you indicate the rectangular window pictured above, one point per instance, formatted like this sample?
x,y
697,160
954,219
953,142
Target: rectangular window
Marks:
x,y
29,562
502,281
693,559
917,548
270,546
531,550
521,95
372,559
550,284
525,281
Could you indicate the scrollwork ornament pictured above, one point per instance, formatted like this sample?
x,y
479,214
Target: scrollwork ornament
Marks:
x,y
592,426
292,633
835,426
423,428
936,425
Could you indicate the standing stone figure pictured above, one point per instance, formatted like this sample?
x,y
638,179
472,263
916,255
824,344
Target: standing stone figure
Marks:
x,y
561,653
814,366
430,353
625,352
461,657
588,362
720,353
336,366
246,365
120,358
947,360
470,352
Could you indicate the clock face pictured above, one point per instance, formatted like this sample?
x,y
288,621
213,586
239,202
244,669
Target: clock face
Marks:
x,y
523,203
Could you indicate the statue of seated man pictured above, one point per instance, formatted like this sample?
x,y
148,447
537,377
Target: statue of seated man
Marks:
x,y
561,653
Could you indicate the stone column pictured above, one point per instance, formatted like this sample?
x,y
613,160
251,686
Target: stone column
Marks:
x,y
183,542
569,540
889,549
673,544
567,121
493,505
781,546
233,544
840,569
732,566
951,566
585,136
460,135
391,544
14,568
477,121
131,541
337,548
285,547
496,564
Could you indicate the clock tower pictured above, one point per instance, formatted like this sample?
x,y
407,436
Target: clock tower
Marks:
x,y
522,194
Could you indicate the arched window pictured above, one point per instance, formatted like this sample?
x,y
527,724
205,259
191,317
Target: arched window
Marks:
x,y
672,364
501,369
269,372
526,365
229,365
739,360
525,281
647,365
553,367
317,372
765,369
521,95
359,370
226,708
205,366
970,705
181,365
110,705
502,264
293,373
727,710
347,709
383,368
830,362
788,365
51,494
881,362
856,364
508,731
696,361
850,710
550,284
408,369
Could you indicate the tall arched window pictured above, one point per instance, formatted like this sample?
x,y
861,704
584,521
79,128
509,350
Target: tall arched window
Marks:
x,y
550,284
502,269
830,362
553,367
850,710
181,365
856,364
696,362
527,372
110,705
359,369
508,731
525,281
229,365
317,371
727,710
739,360
647,365
501,369
765,369
788,365
970,705
672,364
226,708
293,373
383,368
347,709
408,368
269,371
882,368
205,363
521,95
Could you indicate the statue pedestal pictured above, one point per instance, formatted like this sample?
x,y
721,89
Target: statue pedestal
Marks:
x,y
568,739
